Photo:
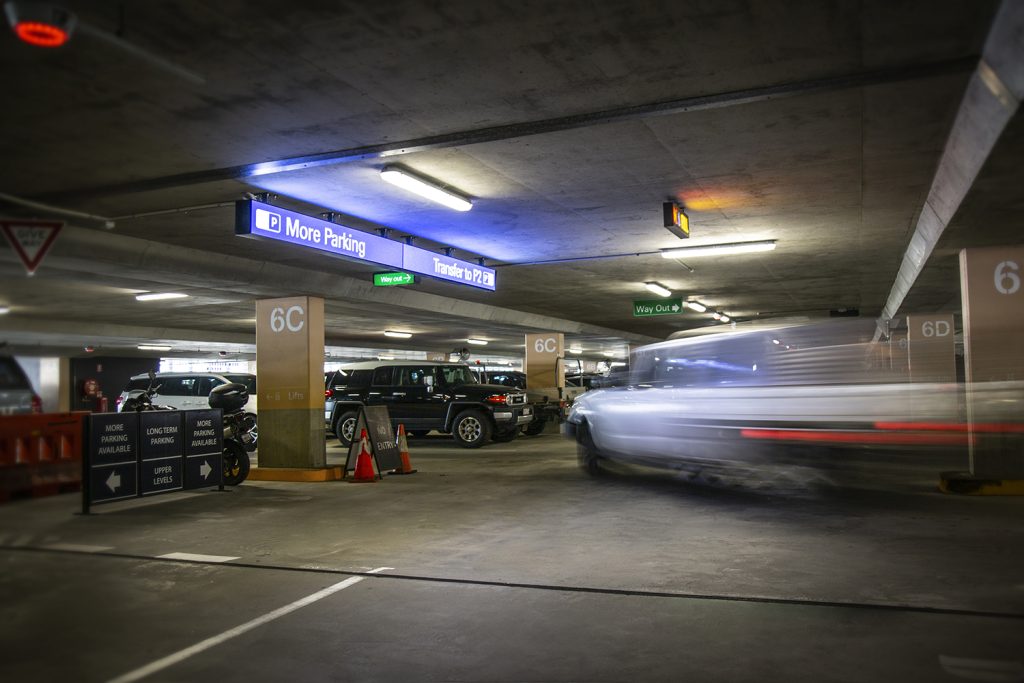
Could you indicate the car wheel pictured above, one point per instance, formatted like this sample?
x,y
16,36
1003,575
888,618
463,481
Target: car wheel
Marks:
x,y
471,429
345,427
506,436
586,452
535,427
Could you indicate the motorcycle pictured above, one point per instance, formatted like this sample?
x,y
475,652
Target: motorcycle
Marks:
x,y
239,430
144,400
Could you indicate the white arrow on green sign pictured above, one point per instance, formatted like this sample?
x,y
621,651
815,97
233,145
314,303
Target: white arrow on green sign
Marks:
x,y
392,279
649,307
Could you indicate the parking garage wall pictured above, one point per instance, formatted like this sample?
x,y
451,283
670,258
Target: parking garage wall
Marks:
x,y
110,372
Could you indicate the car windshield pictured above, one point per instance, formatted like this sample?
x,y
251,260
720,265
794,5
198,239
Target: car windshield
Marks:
x,y
248,380
349,378
458,374
508,379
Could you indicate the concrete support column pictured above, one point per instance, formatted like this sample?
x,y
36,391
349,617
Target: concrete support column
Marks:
x,y
63,385
289,372
542,365
993,313
931,348
898,354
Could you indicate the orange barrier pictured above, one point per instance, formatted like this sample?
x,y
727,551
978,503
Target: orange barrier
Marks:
x,y
403,451
364,462
40,455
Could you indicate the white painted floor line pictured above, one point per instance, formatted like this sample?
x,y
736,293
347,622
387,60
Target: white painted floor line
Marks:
x,y
182,655
79,547
983,669
196,558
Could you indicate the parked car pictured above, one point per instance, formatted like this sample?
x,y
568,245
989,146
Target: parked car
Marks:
x,y
549,403
188,390
425,396
16,394
506,378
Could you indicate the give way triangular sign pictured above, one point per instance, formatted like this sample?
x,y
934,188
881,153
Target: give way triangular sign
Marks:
x,y
31,239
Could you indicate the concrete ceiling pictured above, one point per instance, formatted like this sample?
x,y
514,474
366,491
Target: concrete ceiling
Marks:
x,y
820,125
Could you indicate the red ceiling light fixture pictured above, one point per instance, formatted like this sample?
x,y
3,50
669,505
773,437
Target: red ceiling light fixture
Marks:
x,y
40,24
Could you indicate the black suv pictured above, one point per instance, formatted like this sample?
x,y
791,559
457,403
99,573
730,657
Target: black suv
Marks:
x,y
426,395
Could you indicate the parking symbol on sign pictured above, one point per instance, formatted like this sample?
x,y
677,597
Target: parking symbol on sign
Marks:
x,y
268,220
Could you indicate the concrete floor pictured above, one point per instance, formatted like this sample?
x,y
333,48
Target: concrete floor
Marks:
x,y
509,564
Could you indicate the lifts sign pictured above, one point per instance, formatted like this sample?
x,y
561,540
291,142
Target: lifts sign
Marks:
x,y
256,219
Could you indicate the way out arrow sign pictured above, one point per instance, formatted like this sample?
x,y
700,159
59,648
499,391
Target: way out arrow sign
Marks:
x,y
649,307
31,239
205,469
114,482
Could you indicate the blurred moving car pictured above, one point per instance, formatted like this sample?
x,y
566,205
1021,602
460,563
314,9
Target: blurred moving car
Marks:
x,y
724,399
16,394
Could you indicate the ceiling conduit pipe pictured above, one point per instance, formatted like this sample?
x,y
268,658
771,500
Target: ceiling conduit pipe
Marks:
x,y
992,97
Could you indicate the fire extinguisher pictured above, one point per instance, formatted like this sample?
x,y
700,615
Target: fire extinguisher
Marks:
x,y
91,392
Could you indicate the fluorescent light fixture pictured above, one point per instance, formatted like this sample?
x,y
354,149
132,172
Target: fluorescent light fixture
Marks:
x,y
776,342
610,354
718,249
575,349
716,315
424,188
658,288
478,342
160,296
695,306
397,335
725,318
153,347
4,310
385,357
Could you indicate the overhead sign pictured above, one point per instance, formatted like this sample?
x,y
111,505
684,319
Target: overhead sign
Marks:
x,y
31,240
677,222
256,219
649,307
393,279
447,268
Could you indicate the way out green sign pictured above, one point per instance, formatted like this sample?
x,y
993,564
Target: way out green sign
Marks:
x,y
392,279
649,307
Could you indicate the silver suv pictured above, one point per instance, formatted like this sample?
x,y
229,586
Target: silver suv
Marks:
x,y
16,394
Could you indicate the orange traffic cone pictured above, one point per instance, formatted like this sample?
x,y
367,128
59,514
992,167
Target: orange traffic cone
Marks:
x,y
364,463
403,450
